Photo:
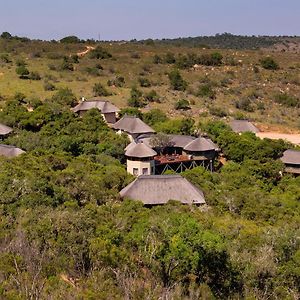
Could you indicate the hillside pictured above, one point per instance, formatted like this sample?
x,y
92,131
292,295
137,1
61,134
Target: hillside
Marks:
x,y
240,86
66,232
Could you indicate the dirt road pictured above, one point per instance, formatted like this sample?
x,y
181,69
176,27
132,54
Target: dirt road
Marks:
x,y
292,138
88,49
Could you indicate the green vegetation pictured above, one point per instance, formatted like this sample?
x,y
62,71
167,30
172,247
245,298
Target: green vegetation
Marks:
x,y
182,104
269,63
64,231
176,81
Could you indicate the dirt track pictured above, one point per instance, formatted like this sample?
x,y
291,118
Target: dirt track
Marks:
x,y
292,138
88,49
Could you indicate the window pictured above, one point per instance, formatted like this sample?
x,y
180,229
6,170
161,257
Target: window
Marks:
x,y
145,171
135,171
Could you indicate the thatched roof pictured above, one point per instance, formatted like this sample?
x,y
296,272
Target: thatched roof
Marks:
x,y
239,126
4,130
10,151
159,189
291,157
180,141
103,105
132,125
139,150
200,144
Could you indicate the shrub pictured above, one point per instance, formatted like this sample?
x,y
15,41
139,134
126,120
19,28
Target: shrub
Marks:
x,y
93,71
34,76
20,62
71,39
206,90
74,59
169,58
182,104
66,65
144,82
269,63
48,86
176,81
154,116
287,100
157,59
213,59
64,96
99,53
100,90
244,104
5,58
131,111
119,81
6,35
152,96
22,71
136,98
217,111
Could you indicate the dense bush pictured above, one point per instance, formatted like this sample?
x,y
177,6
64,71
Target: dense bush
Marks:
x,y
269,63
144,82
71,39
206,90
176,81
100,90
154,116
287,100
152,96
99,53
182,104
119,81
136,98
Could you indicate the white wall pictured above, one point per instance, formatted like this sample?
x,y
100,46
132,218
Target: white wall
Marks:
x,y
140,165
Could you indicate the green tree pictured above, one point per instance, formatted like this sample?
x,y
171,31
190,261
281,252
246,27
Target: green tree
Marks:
x,y
6,35
182,104
176,81
100,90
269,63
22,71
136,98
71,39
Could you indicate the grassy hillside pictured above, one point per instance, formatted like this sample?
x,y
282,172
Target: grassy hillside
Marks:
x,y
242,87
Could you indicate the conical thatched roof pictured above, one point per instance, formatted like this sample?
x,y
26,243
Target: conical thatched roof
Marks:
x,y
200,144
291,157
239,126
103,105
139,150
4,130
10,151
132,125
159,189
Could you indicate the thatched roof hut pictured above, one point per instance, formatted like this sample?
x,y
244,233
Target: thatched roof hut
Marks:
x,y
10,151
103,106
132,125
5,130
159,189
291,159
240,126
200,144
139,150
180,141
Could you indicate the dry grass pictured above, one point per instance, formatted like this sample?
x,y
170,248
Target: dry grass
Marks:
x,y
231,82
